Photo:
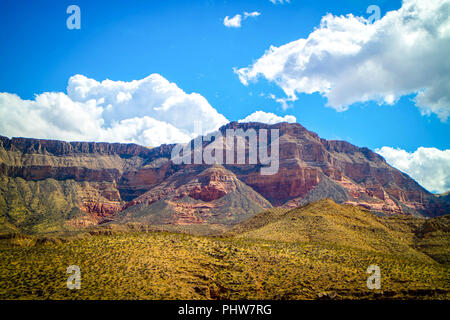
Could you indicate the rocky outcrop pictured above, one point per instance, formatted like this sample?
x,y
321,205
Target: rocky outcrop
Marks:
x,y
199,183
62,148
200,194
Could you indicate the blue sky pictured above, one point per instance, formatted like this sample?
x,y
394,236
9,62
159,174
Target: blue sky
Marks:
x,y
187,43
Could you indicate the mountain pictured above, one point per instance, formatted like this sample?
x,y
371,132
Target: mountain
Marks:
x,y
48,185
312,168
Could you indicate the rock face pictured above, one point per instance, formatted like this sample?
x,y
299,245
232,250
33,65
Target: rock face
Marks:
x,y
312,168
197,194
107,181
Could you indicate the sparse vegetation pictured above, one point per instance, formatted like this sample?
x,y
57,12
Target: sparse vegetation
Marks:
x,y
118,263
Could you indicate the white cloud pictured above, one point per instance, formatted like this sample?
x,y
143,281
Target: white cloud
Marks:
x,y
251,14
428,166
267,117
150,111
283,101
234,22
349,60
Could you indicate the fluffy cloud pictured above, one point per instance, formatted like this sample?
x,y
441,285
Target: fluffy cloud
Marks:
x,y
236,21
150,111
349,60
267,117
428,166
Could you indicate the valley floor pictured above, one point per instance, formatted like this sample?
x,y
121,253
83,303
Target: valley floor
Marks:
x,y
161,265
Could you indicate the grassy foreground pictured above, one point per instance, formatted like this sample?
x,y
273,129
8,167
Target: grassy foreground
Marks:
x,y
161,265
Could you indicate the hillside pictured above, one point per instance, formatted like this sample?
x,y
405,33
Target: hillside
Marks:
x,y
433,238
319,251
325,222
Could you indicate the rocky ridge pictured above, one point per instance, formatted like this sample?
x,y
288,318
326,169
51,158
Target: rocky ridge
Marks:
x,y
109,181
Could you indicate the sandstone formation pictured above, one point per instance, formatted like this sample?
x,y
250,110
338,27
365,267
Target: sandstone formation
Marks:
x,y
88,183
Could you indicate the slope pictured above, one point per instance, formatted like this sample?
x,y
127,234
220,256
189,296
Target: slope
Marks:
x,y
325,222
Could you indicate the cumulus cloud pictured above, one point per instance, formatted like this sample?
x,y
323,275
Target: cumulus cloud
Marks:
x,y
267,117
149,111
236,21
349,60
428,166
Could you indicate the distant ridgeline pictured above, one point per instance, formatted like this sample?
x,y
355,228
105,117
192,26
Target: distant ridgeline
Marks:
x,y
48,185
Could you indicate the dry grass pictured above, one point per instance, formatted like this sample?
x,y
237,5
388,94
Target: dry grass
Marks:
x,y
321,250
161,265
